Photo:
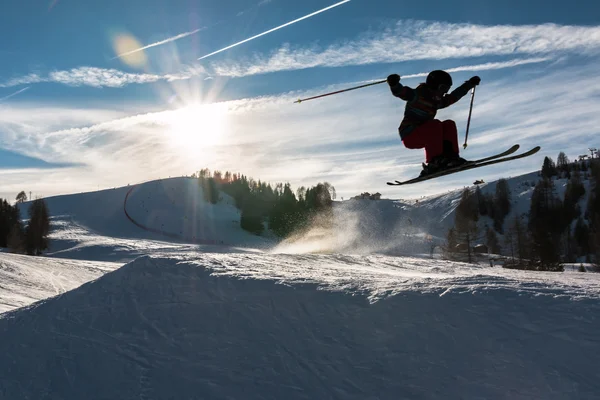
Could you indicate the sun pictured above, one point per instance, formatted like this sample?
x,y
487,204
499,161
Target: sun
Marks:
x,y
196,127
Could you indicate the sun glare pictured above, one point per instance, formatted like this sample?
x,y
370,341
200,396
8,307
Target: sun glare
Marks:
x,y
196,127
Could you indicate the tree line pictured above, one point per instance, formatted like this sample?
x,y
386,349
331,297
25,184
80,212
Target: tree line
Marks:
x,y
26,238
555,229
266,206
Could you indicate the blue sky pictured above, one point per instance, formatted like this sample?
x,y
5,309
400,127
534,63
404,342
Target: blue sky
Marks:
x,y
83,105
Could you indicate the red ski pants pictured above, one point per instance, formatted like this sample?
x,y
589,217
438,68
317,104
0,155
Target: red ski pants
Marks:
x,y
431,136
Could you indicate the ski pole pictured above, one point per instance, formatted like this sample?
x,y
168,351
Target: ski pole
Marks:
x,y
469,120
340,91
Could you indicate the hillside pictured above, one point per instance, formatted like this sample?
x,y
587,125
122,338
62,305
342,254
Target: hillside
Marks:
x,y
180,314
24,280
189,327
161,214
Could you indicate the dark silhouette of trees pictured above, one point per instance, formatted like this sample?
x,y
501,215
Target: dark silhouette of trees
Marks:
x,y
517,243
263,204
465,221
491,240
38,228
562,162
546,224
10,225
21,197
548,168
501,207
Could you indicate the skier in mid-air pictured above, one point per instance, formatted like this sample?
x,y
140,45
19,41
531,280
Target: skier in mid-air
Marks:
x,y
419,128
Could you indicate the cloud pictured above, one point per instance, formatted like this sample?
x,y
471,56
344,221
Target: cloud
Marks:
x,y
473,68
419,40
14,160
102,77
351,142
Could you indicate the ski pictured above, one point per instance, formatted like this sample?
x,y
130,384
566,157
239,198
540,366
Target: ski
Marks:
x,y
498,155
503,154
474,164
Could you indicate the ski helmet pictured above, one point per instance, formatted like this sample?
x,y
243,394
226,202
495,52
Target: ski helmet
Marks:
x,y
439,79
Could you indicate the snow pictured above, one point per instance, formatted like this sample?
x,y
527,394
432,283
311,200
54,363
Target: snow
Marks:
x,y
166,328
181,303
171,212
24,280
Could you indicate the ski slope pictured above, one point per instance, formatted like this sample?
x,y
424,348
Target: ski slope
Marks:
x,y
122,223
183,304
24,280
221,326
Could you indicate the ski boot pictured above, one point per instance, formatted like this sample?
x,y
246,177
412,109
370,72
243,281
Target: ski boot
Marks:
x,y
441,163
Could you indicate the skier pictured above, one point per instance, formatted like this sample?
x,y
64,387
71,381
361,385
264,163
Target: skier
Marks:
x,y
419,128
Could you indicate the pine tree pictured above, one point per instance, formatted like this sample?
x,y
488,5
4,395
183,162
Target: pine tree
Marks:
x,y
9,218
502,201
517,241
481,202
548,168
562,162
573,193
581,235
210,190
285,215
465,221
546,224
593,211
38,227
251,220
16,239
451,242
21,197
492,241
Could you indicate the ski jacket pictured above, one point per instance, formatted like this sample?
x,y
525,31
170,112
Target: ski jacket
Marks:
x,y
422,104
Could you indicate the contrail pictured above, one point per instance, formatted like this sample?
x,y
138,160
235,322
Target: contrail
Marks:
x,y
274,29
14,94
171,39
182,35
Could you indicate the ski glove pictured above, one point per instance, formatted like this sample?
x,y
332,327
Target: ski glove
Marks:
x,y
475,80
393,80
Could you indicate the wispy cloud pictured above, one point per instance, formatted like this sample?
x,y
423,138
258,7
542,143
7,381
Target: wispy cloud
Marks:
x,y
102,77
275,29
351,142
418,40
473,68
13,94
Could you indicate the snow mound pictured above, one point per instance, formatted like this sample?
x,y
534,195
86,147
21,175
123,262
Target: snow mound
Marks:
x,y
24,279
181,328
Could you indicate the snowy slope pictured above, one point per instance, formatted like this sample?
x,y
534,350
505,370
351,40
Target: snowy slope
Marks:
x,y
24,280
404,227
191,317
255,326
120,224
